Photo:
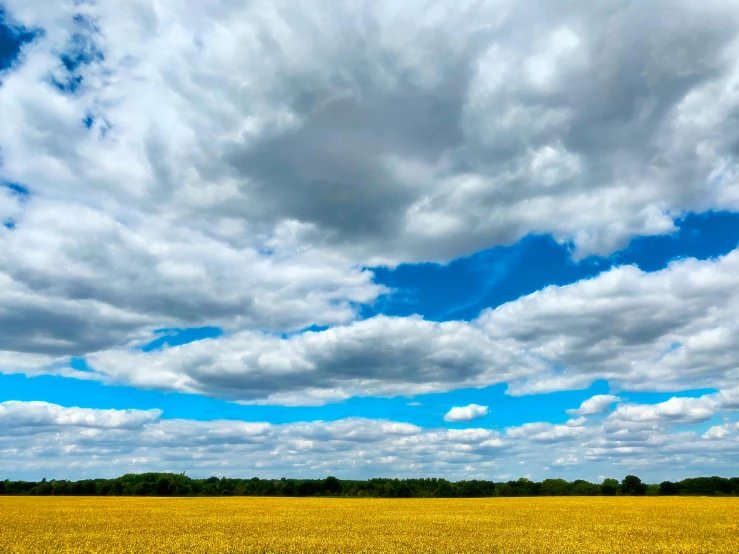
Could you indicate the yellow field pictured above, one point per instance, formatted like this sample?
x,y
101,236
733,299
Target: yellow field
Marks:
x,y
541,525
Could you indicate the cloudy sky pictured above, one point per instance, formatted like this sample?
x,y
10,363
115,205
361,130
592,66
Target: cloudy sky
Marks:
x,y
473,239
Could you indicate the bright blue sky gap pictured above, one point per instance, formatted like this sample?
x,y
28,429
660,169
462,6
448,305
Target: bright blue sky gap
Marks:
x,y
12,38
175,337
502,274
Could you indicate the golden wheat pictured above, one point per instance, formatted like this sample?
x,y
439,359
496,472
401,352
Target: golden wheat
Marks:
x,y
276,525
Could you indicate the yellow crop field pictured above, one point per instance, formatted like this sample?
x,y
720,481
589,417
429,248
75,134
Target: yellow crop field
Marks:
x,y
266,525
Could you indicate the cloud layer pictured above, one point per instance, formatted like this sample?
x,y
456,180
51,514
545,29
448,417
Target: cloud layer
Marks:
x,y
245,165
38,439
668,330
237,164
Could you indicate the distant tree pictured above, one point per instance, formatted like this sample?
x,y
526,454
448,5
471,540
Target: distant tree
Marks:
x,y
306,488
525,487
144,488
706,486
504,489
83,488
668,488
227,487
103,487
388,490
289,488
331,485
610,487
169,484
631,485
402,490
721,485
163,487
583,488
474,488
266,488
43,488
555,487
444,490
60,488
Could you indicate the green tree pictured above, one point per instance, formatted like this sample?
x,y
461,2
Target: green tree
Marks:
x,y
668,488
555,487
331,485
402,490
583,488
632,486
504,489
163,487
444,490
610,487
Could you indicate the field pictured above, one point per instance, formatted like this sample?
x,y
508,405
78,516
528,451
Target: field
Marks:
x,y
229,525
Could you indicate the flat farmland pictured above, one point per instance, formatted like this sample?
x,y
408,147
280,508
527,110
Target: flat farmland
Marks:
x,y
323,525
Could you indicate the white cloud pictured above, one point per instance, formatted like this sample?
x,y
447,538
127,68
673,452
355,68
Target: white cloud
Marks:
x,y
598,404
202,194
246,161
679,409
674,409
15,416
38,440
466,413
380,356
728,399
667,330
63,294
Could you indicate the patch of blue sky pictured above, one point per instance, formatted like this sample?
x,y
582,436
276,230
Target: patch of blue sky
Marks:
x,y
424,410
657,397
16,189
464,287
80,50
176,337
12,38
99,124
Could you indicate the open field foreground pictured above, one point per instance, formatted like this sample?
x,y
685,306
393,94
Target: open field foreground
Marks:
x,y
536,525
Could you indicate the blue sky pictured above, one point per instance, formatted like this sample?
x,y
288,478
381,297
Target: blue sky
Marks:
x,y
318,270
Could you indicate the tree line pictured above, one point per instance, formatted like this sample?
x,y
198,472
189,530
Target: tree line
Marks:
x,y
170,484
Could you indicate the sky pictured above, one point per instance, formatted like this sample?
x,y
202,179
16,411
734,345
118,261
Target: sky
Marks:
x,y
476,239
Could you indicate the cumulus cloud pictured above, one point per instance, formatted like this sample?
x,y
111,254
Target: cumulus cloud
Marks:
x,y
73,443
674,409
466,413
41,415
728,399
171,186
666,330
384,356
598,404
73,296
721,431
